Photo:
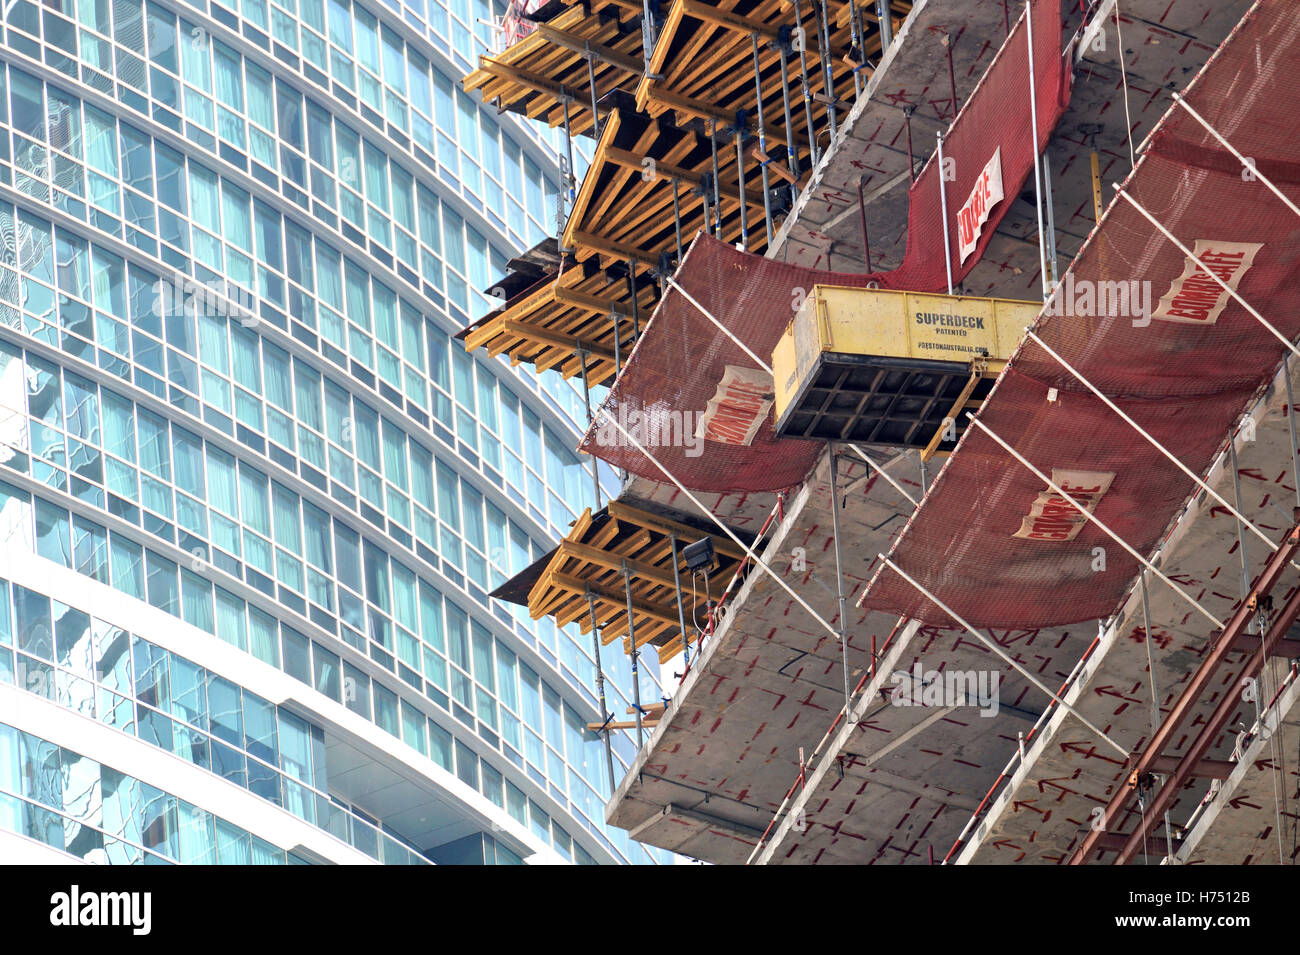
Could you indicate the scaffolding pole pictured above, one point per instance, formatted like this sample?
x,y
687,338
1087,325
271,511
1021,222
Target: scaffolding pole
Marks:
x,y
1290,420
740,186
591,79
677,220
681,608
862,213
762,138
648,38
943,203
1051,218
636,656
618,348
636,309
792,153
855,42
717,197
1033,148
586,397
605,715
824,36
839,577
807,87
886,20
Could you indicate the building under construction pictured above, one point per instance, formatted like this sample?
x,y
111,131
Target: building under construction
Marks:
x,y
945,348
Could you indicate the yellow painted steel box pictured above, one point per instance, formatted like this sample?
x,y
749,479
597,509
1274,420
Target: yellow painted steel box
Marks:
x,y
877,366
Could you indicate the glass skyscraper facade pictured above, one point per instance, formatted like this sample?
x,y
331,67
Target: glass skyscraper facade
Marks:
x,y
253,494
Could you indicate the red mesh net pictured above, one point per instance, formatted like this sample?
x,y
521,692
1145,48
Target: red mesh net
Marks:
x,y
1185,376
682,358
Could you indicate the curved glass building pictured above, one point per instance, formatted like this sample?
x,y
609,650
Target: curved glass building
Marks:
x,y
253,496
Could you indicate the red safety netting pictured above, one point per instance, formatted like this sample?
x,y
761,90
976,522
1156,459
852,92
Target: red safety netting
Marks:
x,y
1185,376
682,358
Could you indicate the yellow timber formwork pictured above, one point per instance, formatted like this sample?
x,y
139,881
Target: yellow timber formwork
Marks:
x,y
537,74
564,319
593,559
656,179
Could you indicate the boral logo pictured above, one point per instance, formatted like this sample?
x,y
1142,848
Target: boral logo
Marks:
x,y
1195,297
975,211
738,408
77,908
1053,518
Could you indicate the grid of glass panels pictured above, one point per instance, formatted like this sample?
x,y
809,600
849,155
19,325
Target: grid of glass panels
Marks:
x,y
105,449
115,178
519,713
203,86
103,672
80,806
79,294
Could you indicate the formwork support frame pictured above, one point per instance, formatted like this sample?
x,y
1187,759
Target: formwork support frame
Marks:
x,y
749,551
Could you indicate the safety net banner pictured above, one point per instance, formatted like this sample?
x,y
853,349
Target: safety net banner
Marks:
x,y
1148,328
702,406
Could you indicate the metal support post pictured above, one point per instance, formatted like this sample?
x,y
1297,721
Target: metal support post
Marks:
x,y
802,36
792,152
1033,146
717,197
839,577
1051,219
762,138
681,606
636,654
827,73
943,204
740,186
600,689
886,25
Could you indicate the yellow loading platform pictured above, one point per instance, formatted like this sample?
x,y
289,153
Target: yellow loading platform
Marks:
x,y
889,368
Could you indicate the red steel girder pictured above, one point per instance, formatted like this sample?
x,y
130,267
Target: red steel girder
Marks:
x,y
1223,644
